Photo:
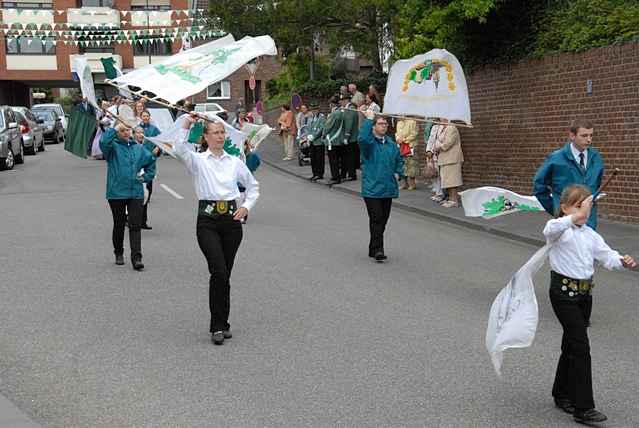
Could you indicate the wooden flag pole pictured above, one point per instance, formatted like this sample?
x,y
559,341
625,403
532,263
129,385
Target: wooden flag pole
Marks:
x,y
605,184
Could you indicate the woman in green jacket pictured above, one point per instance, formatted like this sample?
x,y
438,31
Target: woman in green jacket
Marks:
x,y
125,160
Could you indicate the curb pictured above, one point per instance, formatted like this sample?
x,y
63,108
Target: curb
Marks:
x,y
426,213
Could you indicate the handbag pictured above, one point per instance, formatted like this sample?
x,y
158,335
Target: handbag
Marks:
x,y
404,149
430,169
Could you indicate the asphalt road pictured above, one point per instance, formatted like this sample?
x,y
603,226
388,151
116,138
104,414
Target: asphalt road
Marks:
x,y
322,335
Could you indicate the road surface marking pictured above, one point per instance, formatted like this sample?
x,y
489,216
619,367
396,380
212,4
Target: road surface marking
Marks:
x,y
175,194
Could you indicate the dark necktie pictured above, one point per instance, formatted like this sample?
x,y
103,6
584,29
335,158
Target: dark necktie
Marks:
x,y
582,163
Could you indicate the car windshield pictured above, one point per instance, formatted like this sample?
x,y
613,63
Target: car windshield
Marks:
x,y
45,115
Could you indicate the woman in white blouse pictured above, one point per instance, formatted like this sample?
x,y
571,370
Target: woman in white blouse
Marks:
x,y
219,228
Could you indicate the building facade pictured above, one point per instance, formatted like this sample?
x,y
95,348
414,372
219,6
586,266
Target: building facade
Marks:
x,y
45,61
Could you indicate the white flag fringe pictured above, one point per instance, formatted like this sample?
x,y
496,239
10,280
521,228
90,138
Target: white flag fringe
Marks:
x,y
489,202
191,71
514,314
431,85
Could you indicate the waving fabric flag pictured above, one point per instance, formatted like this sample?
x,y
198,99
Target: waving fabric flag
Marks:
x,y
256,134
489,202
514,314
430,85
83,70
191,71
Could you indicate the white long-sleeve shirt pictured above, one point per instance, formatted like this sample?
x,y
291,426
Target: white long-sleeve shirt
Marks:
x,y
576,248
215,178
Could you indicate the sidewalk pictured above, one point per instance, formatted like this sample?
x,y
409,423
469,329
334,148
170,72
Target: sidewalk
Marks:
x,y
12,417
525,227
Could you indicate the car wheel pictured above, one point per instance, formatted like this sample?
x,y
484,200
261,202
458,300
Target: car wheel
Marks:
x,y
30,150
9,161
41,148
19,158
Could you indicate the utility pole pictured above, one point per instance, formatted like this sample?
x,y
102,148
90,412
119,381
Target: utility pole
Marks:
x,y
148,31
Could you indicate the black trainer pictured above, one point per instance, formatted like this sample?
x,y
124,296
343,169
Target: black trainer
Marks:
x,y
227,333
218,337
146,227
137,263
380,257
589,416
119,259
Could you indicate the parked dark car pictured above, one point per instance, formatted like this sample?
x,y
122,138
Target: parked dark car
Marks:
x,y
52,124
11,150
31,130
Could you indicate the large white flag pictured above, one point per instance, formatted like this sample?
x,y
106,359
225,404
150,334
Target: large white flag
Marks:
x,y
514,314
256,134
83,70
430,85
191,71
489,202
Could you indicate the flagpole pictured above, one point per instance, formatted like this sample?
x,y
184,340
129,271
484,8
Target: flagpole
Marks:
x,y
436,121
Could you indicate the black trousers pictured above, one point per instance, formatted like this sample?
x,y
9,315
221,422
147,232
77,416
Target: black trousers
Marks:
x,y
145,211
119,208
573,379
349,164
317,160
219,240
378,212
336,160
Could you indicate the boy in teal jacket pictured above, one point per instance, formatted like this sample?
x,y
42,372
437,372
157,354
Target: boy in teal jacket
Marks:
x,y
381,166
125,160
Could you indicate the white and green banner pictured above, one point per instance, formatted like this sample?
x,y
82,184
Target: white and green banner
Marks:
x,y
489,202
192,71
83,70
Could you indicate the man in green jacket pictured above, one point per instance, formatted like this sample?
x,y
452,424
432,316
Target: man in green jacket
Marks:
x,y
351,149
333,134
382,165
125,160
315,124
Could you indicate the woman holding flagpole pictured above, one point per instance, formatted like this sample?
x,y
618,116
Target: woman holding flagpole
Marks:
x,y
216,175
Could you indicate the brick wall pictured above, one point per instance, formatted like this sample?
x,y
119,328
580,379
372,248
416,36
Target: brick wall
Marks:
x,y
268,69
522,112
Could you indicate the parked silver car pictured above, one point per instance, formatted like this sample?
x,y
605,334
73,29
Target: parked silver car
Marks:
x,y
31,130
55,107
52,124
11,151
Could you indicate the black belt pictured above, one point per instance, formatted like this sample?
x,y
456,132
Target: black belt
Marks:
x,y
216,208
570,286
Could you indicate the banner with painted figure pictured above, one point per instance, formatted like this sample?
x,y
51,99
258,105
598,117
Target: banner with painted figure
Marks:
x,y
83,70
233,143
430,85
191,71
490,202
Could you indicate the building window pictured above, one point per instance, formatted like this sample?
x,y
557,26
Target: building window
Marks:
x,y
27,5
95,3
95,49
154,48
151,7
219,91
30,46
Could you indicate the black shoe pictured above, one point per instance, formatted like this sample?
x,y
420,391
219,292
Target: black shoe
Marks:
x,y
218,337
380,257
589,416
334,181
137,264
146,227
227,333
119,259
313,178
565,405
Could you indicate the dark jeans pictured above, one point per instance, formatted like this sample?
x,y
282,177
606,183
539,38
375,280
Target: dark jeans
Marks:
x,y
378,212
573,379
219,240
349,161
336,160
119,208
145,217
317,161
